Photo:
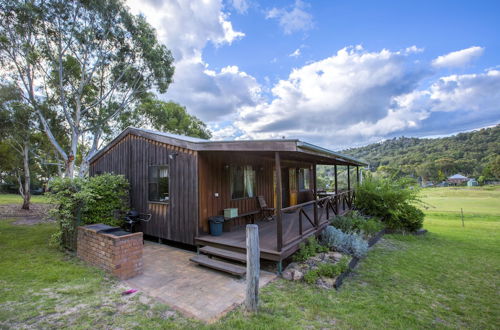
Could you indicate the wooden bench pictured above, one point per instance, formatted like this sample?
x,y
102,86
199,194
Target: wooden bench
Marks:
x,y
251,214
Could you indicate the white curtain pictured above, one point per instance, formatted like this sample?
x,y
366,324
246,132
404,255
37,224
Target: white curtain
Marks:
x,y
249,174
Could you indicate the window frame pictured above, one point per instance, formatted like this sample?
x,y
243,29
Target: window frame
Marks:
x,y
254,185
302,179
149,182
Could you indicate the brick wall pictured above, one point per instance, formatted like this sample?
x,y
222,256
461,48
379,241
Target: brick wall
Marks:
x,y
120,255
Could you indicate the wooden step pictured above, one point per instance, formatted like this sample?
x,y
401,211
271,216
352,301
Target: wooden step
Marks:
x,y
219,265
226,254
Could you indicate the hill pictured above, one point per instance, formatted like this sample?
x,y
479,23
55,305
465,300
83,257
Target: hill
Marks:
x,y
473,154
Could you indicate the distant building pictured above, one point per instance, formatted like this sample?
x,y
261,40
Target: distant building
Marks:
x,y
457,179
472,183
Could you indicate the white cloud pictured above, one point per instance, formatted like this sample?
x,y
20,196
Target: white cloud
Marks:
x,y
292,19
241,6
186,27
352,97
458,58
296,53
358,96
321,98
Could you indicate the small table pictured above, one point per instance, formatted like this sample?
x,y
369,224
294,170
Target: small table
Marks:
x,y
251,214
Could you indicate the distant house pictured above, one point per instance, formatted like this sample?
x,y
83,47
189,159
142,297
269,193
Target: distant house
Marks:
x,y
457,179
472,183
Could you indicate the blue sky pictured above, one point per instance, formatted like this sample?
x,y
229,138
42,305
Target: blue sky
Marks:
x,y
335,73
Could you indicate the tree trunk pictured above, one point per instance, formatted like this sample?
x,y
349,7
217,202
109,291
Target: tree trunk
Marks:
x,y
70,167
27,178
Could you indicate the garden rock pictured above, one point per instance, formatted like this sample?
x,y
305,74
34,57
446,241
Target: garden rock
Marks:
x,y
326,282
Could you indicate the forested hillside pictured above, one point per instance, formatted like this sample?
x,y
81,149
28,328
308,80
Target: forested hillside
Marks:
x,y
473,154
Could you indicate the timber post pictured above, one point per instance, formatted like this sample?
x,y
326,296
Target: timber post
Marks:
x,y
279,223
253,268
336,189
348,178
357,174
315,196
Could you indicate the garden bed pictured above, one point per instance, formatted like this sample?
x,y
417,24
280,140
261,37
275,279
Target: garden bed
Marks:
x,y
297,271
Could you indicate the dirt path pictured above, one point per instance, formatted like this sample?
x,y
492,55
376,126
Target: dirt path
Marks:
x,y
38,213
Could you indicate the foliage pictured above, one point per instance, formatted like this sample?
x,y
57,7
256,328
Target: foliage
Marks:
x,y
391,201
84,201
168,117
467,153
355,222
309,249
327,270
353,244
83,63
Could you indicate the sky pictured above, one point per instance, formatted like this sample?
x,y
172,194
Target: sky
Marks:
x,y
334,73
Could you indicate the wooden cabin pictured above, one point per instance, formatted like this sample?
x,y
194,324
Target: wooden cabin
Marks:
x,y
182,181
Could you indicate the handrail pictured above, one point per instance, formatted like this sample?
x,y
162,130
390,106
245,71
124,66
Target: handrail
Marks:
x,y
326,205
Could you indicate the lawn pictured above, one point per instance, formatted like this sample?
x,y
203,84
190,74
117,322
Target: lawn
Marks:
x,y
445,279
17,199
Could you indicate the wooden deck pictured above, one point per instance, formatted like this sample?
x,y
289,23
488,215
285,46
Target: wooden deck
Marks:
x,y
236,239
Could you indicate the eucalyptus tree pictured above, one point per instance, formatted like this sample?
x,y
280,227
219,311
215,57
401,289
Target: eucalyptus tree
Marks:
x,y
87,62
17,128
168,117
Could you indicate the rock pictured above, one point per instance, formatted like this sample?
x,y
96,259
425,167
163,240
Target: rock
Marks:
x,y
297,275
336,256
287,275
329,282
326,282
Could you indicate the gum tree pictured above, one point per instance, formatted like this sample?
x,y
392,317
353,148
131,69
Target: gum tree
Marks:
x,y
86,62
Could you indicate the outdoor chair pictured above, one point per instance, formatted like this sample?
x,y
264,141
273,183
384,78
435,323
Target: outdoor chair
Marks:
x,y
266,211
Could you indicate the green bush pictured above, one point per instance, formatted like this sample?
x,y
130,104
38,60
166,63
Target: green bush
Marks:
x,y
355,223
327,270
82,201
391,201
309,249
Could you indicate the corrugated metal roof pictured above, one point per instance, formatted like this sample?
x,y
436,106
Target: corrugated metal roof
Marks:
x,y
457,176
256,145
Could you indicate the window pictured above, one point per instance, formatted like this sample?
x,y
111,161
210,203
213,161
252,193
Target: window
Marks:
x,y
158,184
304,178
242,181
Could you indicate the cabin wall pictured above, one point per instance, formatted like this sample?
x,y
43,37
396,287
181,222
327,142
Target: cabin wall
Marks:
x,y
214,178
176,220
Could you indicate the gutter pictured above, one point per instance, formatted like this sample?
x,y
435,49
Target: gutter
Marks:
x,y
330,153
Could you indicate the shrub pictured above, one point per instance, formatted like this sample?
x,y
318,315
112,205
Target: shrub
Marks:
x,y
353,244
327,270
355,222
346,223
391,201
84,201
309,249
370,227
410,218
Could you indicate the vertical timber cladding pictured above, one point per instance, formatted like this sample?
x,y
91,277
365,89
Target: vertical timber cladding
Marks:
x,y
131,156
214,178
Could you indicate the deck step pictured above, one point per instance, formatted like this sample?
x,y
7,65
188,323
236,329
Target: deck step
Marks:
x,y
226,254
219,265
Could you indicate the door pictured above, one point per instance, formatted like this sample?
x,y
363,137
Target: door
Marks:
x,y
292,180
285,187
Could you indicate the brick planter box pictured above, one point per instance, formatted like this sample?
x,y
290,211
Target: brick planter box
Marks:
x,y
119,255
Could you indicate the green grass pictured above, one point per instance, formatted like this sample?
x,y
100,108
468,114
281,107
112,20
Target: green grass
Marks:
x,y
17,199
445,279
